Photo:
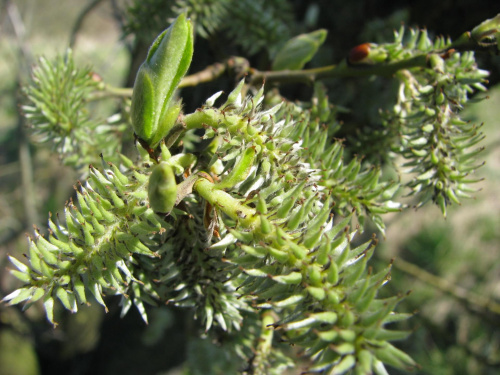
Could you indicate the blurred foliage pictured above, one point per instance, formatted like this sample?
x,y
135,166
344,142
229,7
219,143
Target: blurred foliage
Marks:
x,y
253,25
453,336
57,111
17,354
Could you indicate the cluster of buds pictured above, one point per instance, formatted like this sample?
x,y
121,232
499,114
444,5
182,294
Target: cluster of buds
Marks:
x,y
92,250
74,135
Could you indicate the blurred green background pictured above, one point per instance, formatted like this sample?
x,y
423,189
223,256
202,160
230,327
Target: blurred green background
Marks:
x,y
451,266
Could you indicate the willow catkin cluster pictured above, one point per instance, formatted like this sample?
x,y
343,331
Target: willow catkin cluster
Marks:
x,y
251,227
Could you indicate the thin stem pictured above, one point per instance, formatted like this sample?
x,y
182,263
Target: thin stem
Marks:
x,y
210,73
342,70
79,21
233,208
110,92
456,291
239,64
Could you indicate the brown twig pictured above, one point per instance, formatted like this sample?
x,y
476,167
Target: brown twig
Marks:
x,y
342,70
460,293
210,73
256,77
79,21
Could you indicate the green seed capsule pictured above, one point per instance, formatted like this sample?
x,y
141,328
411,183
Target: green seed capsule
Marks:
x,y
280,256
292,278
24,277
440,98
265,225
328,317
299,251
240,171
333,274
266,166
347,363
333,297
323,252
315,275
328,336
436,62
63,296
168,60
261,204
317,293
344,348
347,319
162,189
364,363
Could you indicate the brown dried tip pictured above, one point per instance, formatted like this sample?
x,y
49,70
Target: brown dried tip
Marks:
x,y
95,77
358,53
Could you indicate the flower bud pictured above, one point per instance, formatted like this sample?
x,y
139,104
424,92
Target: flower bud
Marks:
x,y
367,54
488,32
168,60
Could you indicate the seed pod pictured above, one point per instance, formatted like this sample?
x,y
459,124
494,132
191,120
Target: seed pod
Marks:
x,y
37,294
328,336
234,97
261,204
46,249
280,256
292,278
317,293
436,62
240,171
48,303
344,348
162,189
66,299
333,297
347,363
299,251
364,363
333,274
24,277
315,276
47,271
18,296
168,60
392,356
297,218
265,225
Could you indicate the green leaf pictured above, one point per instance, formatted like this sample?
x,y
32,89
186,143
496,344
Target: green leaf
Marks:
x,y
168,60
299,50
